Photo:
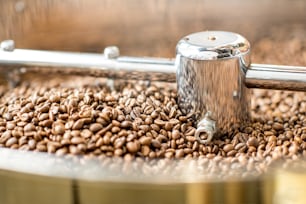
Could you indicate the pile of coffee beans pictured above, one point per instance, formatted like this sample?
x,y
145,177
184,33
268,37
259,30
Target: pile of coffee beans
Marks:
x,y
137,120
140,120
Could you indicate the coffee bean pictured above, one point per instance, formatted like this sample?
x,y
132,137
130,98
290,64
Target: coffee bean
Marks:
x,y
190,138
179,153
77,140
159,122
132,147
145,140
46,123
118,152
10,125
145,150
22,140
86,133
41,147
253,142
59,128
231,153
156,143
51,148
29,127
8,116
78,124
277,126
32,144
162,138
239,146
44,108
43,116
268,133
175,134
10,142
228,148
55,98
168,126
126,124
190,131
169,155
119,143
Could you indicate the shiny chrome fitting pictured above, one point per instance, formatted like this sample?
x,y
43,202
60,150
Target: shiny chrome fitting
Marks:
x,y
7,45
211,68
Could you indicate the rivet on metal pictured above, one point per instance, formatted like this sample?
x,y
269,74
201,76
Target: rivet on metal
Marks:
x,y
7,45
111,52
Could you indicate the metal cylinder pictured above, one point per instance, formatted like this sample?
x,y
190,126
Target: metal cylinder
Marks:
x,y
211,69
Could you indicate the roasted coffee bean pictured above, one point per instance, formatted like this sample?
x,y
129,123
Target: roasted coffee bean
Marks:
x,y
179,153
32,144
145,150
119,142
155,143
145,140
58,128
44,108
29,127
228,147
126,124
253,142
176,134
277,126
11,141
132,147
77,140
10,125
78,124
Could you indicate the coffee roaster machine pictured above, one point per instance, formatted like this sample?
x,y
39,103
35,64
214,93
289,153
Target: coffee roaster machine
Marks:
x,y
138,28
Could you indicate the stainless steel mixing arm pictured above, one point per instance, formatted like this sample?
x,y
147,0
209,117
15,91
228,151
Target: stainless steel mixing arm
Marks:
x,y
276,77
109,64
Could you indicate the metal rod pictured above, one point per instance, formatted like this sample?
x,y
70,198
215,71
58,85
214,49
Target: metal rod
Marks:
x,y
140,68
276,77
98,65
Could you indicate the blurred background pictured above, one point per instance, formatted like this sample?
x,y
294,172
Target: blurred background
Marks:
x,y
150,28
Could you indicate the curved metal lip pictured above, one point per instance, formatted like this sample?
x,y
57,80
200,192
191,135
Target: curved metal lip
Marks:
x,y
213,45
52,166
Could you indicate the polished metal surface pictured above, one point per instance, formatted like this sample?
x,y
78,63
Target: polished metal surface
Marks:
x,y
213,45
108,65
210,79
206,125
267,76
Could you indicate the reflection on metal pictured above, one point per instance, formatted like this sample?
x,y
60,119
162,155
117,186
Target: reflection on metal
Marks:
x,y
98,65
210,72
102,180
276,77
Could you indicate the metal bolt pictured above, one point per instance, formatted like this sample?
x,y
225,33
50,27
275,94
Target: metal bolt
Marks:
x,y
7,45
111,52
